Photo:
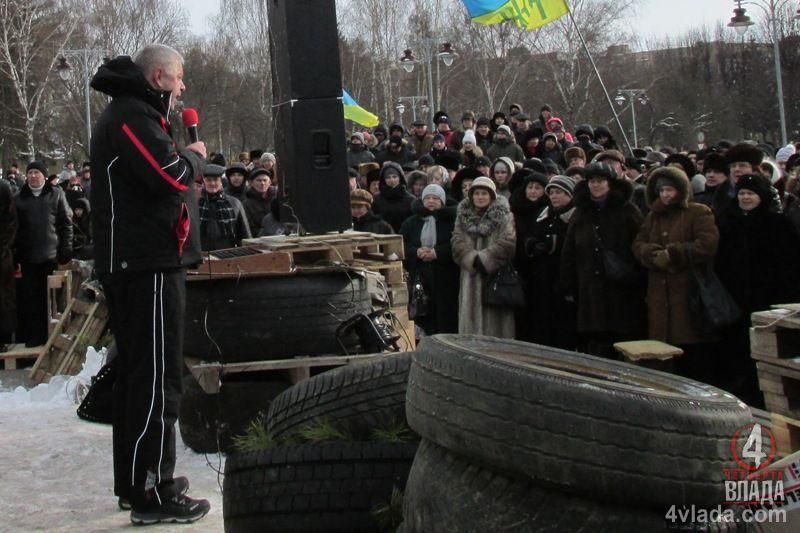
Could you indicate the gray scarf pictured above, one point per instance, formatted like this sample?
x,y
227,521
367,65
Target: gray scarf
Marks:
x,y
428,236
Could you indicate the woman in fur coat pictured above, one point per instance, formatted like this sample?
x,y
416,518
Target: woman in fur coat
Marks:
x,y
483,242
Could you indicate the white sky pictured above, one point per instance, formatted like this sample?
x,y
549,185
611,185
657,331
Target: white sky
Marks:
x,y
655,18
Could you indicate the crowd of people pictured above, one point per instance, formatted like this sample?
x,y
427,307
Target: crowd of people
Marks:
x,y
606,247
505,192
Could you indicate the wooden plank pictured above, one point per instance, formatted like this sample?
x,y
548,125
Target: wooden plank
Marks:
x,y
774,318
39,369
209,375
787,434
647,350
781,389
792,363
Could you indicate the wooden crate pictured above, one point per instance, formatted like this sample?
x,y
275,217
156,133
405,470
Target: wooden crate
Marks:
x,y
315,250
781,388
787,434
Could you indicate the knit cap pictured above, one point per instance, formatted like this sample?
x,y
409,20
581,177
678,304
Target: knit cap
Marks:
x,y
565,183
435,190
469,137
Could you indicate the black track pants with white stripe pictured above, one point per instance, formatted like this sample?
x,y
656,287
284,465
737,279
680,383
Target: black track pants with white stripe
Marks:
x,y
147,313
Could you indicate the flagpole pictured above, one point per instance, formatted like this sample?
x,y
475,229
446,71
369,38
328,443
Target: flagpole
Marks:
x,y
600,79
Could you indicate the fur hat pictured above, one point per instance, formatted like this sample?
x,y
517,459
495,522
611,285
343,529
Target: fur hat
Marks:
x,y
365,168
357,135
505,129
572,171
469,137
585,129
36,165
435,190
427,160
758,184
669,176
683,160
550,166
536,177
565,183
449,159
485,183
716,162
482,121
574,152
237,168
536,164
483,161
744,152
599,169
361,197
614,155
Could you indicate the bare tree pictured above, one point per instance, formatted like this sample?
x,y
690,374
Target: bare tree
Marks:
x,y
31,34
124,26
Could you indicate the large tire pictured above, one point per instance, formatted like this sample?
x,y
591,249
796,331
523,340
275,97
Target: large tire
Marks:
x,y
447,493
357,398
271,317
208,422
589,426
326,487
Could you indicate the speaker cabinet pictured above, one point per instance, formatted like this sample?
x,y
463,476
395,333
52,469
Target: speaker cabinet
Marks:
x,y
304,48
312,158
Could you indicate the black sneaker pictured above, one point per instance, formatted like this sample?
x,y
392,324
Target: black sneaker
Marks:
x,y
180,485
180,509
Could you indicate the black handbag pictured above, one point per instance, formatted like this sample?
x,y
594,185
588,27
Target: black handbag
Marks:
x,y
419,302
711,304
616,267
504,288
98,405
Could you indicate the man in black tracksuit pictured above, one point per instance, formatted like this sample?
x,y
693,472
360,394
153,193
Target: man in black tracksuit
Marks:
x,y
145,224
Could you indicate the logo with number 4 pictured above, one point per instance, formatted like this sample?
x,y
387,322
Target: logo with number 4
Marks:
x,y
753,447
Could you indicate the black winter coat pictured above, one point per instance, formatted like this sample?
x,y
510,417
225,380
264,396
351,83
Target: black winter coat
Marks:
x,y
144,213
440,277
8,229
604,307
393,204
372,223
224,224
552,319
256,207
44,231
758,258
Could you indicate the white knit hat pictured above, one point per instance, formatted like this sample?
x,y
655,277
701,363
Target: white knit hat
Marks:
x,y
785,153
469,137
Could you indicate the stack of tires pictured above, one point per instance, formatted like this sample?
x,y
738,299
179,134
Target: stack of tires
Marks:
x,y
326,486
257,319
519,437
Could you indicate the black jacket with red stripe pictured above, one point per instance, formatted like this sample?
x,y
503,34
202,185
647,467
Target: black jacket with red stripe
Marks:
x,y
144,213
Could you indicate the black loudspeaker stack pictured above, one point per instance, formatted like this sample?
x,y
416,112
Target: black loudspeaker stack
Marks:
x,y
308,113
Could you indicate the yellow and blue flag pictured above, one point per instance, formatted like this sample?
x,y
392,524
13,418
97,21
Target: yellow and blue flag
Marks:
x,y
356,113
528,14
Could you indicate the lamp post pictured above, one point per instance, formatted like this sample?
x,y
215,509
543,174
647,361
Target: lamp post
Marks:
x,y
741,23
87,56
428,48
632,95
412,101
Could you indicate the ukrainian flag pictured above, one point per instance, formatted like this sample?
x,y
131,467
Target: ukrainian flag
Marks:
x,y
356,113
528,14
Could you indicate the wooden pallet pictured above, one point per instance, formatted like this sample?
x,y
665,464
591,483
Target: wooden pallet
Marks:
x,y
59,293
775,337
781,388
392,271
81,324
787,434
18,352
314,250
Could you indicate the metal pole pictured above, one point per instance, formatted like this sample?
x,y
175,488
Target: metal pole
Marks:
x,y
633,114
434,107
600,79
778,72
86,74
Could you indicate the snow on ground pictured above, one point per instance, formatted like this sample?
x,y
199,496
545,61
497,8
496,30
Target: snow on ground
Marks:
x,y
56,469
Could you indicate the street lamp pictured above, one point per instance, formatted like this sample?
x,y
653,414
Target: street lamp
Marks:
x,y
412,101
65,73
741,23
428,47
632,95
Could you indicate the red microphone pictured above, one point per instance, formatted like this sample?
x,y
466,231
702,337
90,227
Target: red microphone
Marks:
x,y
190,121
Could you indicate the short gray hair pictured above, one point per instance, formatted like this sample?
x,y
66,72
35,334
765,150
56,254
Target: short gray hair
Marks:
x,y
153,56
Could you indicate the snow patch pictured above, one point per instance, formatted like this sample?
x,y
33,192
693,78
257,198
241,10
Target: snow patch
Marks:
x,y
59,391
